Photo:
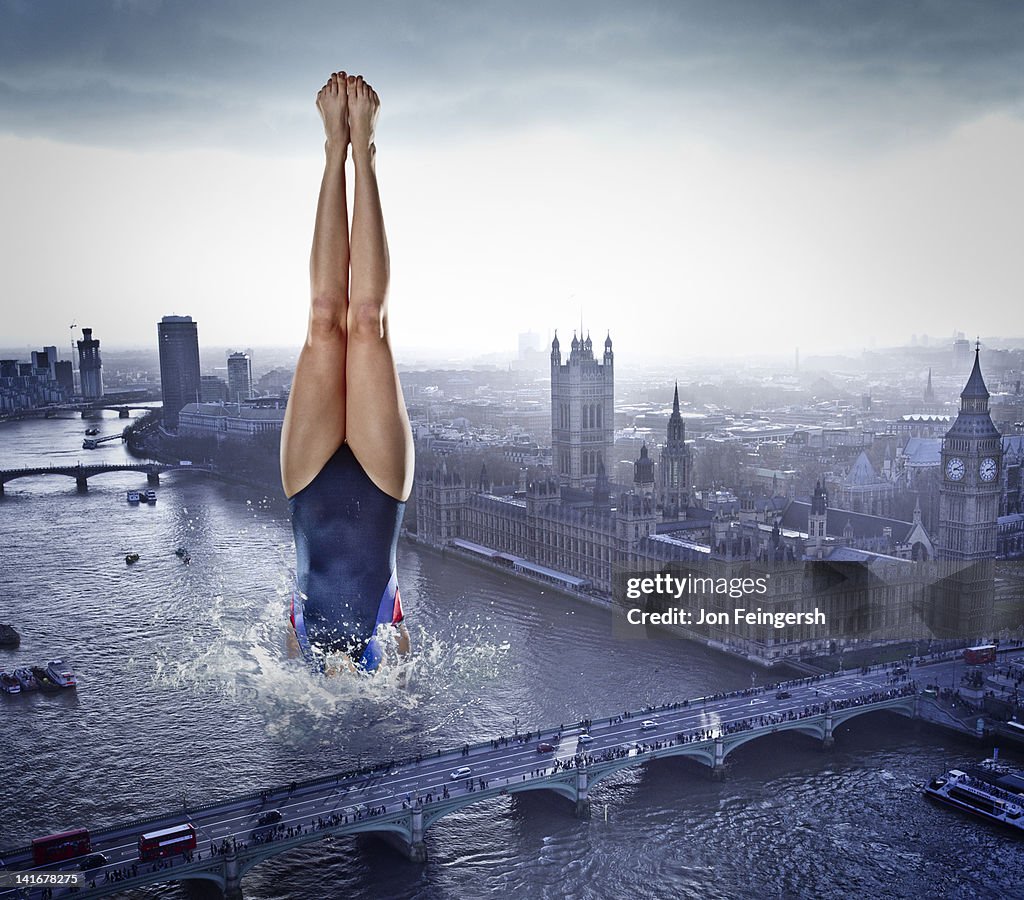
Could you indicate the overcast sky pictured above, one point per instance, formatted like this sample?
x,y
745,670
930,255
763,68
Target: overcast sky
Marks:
x,y
713,178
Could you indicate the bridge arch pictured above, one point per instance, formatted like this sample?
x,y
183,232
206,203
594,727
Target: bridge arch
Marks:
x,y
904,706
254,855
703,752
813,728
203,875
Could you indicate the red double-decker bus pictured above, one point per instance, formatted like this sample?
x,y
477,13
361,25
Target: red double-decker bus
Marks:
x,y
56,847
978,656
167,842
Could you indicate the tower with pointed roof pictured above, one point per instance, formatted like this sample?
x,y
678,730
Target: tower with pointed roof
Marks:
x,y
971,461
817,522
643,472
674,467
582,411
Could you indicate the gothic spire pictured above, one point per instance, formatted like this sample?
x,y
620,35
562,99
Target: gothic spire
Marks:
x,y
975,387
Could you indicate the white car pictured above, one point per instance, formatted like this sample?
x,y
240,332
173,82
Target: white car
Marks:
x,y
461,772
584,738
647,725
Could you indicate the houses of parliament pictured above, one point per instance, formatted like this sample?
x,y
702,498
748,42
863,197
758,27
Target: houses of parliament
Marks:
x,y
877,579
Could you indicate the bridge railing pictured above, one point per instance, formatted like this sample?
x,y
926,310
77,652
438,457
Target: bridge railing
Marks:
x,y
340,777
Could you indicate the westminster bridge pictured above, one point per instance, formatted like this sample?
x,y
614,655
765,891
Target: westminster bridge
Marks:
x,y
399,801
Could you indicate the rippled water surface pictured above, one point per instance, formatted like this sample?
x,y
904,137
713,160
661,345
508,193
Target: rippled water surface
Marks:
x,y
187,689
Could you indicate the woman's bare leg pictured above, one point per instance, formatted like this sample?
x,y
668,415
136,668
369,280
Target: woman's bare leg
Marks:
x,y
314,422
377,424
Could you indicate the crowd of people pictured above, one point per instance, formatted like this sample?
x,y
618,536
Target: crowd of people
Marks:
x,y
370,774
901,679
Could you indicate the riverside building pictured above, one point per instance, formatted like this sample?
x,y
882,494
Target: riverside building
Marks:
x,y
875,577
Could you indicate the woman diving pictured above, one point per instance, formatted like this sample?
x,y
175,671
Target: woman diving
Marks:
x,y
346,445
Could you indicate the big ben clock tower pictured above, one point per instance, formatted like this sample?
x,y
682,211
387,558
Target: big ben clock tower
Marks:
x,y
968,509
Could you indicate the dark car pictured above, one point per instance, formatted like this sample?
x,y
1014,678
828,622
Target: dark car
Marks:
x,y
92,861
270,818
783,695
899,670
544,747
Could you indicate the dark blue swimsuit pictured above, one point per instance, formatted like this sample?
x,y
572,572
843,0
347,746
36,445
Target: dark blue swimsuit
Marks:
x,y
346,534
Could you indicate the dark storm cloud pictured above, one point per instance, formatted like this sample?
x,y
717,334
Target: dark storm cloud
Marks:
x,y
242,73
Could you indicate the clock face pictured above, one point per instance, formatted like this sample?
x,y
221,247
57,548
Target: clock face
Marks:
x,y
955,469
988,468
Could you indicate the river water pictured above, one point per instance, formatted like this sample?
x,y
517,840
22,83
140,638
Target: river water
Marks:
x,y
187,690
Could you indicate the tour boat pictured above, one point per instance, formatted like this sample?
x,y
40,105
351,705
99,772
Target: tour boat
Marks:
x,y
134,497
151,496
989,791
46,683
61,674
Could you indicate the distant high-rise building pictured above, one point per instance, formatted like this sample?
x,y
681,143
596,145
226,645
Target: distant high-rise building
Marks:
x,y
239,377
529,343
961,354
179,365
90,367
51,355
65,374
582,411
41,360
212,389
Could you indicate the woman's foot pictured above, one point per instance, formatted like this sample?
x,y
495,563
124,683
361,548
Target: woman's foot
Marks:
x,y
332,101
363,106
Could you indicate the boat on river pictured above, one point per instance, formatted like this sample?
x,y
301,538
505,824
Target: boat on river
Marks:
x,y
46,683
61,673
989,791
27,680
9,684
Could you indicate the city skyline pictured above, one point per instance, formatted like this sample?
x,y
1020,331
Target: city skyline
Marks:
x,y
780,358
814,177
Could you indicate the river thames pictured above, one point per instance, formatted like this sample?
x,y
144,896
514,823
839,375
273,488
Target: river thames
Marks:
x,y
187,692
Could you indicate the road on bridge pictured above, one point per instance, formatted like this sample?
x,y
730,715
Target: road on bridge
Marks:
x,y
506,761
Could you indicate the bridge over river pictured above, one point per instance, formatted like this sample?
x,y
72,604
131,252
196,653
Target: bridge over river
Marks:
x,y
82,474
399,801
